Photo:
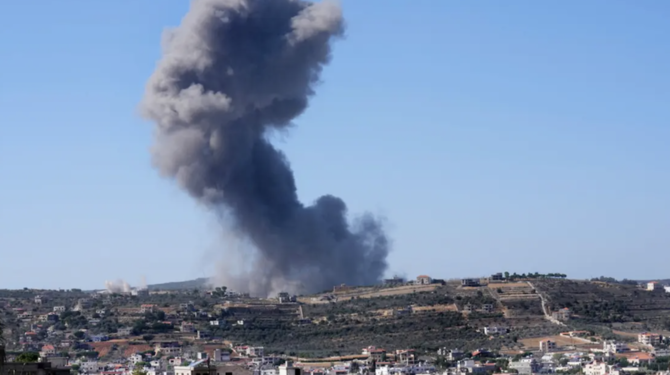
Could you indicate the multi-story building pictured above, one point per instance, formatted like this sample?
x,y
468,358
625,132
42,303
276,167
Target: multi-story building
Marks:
x,y
525,366
612,347
37,368
654,286
168,348
547,346
423,280
470,282
649,338
187,327
147,308
495,330
563,314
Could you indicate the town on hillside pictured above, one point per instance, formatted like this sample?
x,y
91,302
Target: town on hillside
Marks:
x,y
504,323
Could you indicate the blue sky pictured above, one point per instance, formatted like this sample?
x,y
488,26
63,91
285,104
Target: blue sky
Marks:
x,y
529,136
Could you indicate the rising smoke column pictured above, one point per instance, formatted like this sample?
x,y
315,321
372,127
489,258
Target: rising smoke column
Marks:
x,y
231,73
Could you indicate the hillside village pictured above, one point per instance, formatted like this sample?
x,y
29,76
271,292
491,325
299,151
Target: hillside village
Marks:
x,y
504,323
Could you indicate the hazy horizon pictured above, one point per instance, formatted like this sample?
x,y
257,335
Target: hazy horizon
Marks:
x,y
491,137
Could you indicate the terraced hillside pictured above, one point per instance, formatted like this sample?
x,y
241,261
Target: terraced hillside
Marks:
x,y
598,302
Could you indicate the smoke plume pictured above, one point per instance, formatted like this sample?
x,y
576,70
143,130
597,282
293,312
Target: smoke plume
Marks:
x,y
118,286
232,73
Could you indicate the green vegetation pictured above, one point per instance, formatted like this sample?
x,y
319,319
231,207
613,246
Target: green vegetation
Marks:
x,y
534,275
28,357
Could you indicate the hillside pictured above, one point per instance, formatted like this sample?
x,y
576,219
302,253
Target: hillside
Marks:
x,y
603,303
181,285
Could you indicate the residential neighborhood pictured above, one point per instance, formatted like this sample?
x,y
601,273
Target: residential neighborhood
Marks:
x,y
495,325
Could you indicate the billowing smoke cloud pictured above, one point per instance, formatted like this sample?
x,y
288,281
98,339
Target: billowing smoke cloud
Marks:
x,y
118,286
233,72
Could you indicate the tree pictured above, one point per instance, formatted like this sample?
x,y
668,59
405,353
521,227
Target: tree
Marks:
x,y
506,275
28,357
79,334
354,368
147,338
220,291
138,371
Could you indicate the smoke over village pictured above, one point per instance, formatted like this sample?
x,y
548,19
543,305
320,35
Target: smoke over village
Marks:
x,y
231,74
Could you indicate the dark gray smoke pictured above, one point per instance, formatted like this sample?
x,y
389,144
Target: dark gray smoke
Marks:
x,y
231,73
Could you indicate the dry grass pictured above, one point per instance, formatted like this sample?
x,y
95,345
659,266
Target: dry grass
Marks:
x,y
560,341
436,308
509,285
374,293
627,334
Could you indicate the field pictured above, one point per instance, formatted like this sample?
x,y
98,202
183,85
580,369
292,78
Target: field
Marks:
x,y
374,293
123,347
561,342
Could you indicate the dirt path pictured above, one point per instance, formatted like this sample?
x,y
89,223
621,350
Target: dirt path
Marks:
x,y
544,307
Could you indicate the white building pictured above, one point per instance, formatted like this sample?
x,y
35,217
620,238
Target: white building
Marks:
x,y
596,368
423,280
90,367
59,309
255,351
202,367
187,327
654,286
168,348
649,338
494,330
285,369
612,346
135,358
547,346
221,355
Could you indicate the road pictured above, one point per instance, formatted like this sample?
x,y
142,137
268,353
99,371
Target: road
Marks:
x,y
544,307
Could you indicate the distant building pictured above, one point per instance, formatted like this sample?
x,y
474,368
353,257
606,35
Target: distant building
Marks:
x,y
187,327
99,338
455,355
424,280
147,308
59,309
37,368
221,355
125,331
654,286
563,314
47,351
497,277
255,351
612,347
470,282
547,346
287,369
286,298
395,281
649,339
201,367
495,330
168,348
487,308
525,366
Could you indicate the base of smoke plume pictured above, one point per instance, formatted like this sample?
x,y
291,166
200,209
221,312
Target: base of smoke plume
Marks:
x,y
237,263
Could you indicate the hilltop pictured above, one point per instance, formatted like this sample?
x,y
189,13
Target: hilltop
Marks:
x,y
199,283
510,315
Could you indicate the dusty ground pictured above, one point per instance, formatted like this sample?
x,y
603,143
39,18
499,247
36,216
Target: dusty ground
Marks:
x,y
373,293
437,308
534,343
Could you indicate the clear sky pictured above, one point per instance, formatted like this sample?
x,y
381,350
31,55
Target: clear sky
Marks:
x,y
529,136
